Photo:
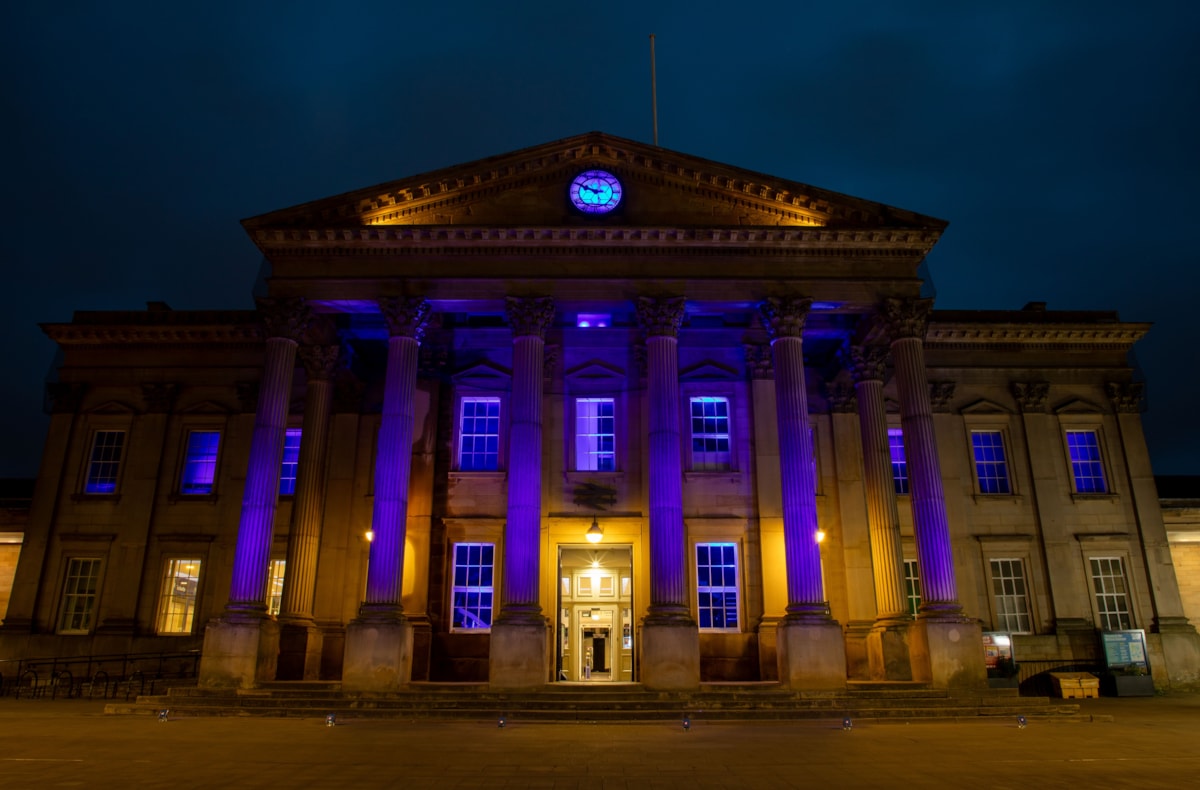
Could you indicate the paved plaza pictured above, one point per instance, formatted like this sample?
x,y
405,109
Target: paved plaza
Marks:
x,y
1133,742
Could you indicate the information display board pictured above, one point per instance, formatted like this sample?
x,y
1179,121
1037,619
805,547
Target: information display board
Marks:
x,y
1125,650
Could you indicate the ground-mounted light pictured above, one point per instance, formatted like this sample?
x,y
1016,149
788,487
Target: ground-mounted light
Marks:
x,y
330,720
687,722
1021,722
847,724
500,724
163,714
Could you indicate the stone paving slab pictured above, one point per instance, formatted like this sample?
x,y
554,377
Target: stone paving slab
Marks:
x,y
1135,742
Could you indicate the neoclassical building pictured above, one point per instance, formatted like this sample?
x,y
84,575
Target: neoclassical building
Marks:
x,y
597,411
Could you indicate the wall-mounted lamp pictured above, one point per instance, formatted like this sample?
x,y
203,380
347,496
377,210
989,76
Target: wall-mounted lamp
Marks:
x,y
369,535
594,534
820,536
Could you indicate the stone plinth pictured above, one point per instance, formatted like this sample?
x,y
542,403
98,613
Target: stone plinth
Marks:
x,y
238,653
300,645
670,656
812,655
888,651
948,653
378,655
518,657
1181,653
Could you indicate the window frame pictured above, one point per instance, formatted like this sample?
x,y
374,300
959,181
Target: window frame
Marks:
x,y
1006,451
468,396
713,395
284,463
276,578
1105,468
60,621
1129,593
89,460
185,460
576,435
912,586
895,431
995,598
468,589
721,589
161,613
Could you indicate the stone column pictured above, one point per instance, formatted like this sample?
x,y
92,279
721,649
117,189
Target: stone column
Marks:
x,y
299,638
518,657
378,654
241,646
946,646
670,638
887,645
811,647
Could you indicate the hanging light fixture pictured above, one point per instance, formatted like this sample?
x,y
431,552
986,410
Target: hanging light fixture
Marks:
x,y
594,534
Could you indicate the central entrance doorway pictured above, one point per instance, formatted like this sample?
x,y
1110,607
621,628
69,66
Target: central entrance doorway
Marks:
x,y
595,614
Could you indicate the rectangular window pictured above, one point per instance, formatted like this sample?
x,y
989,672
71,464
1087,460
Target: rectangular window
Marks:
x,y
899,463
1012,599
1112,593
479,435
912,586
595,435
991,468
104,462
291,460
1086,467
717,586
710,434
275,572
79,595
177,599
473,569
200,462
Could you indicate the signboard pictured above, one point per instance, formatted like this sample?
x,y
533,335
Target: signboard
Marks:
x,y
996,646
1125,649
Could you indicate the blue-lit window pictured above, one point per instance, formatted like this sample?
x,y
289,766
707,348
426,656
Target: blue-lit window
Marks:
x,y
595,435
593,320
1086,467
991,467
710,434
104,463
479,435
912,586
717,586
200,462
473,569
899,462
291,460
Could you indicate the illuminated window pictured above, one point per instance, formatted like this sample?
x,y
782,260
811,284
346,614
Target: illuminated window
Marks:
x,y
479,435
991,467
177,598
589,320
912,586
1112,593
710,434
717,586
473,569
200,462
595,435
275,572
104,462
291,460
1012,599
1086,466
899,463
79,595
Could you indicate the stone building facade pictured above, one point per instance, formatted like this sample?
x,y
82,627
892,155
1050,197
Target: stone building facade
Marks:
x,y
596,411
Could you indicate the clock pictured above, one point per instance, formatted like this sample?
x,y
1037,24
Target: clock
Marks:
x,y
595,192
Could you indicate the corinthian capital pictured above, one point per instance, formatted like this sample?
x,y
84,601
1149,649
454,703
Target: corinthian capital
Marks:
x,y
1126,396
759,363
660,317
287,318
866,361
784,317
319,361
529,315
1031,395
840,397
906,317
405,315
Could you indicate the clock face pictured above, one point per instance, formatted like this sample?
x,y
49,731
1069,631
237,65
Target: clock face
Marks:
x,y
595,192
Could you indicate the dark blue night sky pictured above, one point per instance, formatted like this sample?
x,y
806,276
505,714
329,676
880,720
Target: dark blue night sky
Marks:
x,y
1058,138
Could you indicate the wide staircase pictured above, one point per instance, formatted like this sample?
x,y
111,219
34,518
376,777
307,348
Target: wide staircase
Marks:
x,y
609,702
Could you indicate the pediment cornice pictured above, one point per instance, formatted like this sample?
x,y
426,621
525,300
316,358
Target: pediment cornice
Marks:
x,y
115,334
1049,336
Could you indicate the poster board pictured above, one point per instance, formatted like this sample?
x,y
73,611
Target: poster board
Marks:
x,y
1125,650
996,645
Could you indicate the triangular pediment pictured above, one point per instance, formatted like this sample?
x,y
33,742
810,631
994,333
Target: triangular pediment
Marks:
x,y
1077,406
708,370
984,406
594,370
206,407
483,374
112,407
529,188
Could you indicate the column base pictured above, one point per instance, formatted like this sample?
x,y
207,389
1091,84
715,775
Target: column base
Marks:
x,y
518,656
948,653
812,655
300,645
670,656
768,658
858,658
238,652
1180,651
378,655
889,651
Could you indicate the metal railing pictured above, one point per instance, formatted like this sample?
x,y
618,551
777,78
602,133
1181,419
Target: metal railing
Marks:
x,y
106,676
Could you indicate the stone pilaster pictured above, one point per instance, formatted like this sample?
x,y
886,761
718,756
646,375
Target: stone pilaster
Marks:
x,y
241,647
378,652
670,638
810,645
518,643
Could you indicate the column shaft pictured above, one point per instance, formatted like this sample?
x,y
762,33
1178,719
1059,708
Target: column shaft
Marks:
x,y
523,531
668,595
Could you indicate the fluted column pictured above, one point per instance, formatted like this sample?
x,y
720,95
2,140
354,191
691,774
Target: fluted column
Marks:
x,y
406,319
784,321
866,365
907,321
661,319
529,318
284,321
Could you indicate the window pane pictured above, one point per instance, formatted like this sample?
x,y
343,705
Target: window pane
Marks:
x,y
991,468
177,597
1086,466
200,462
479,434
912,586
899,463
595,435
79,595
275,575
471,598
291,460
717,586
1112,601
710,434
1012,606
104,462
